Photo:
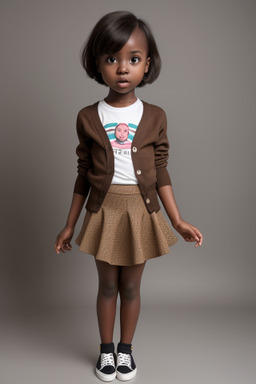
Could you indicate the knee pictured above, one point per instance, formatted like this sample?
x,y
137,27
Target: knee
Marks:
x,y
108,289
129,291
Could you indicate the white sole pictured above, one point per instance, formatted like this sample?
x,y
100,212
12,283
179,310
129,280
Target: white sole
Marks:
x,y
126,376
104,377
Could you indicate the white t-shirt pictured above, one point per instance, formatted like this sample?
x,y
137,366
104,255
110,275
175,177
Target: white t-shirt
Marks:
x,y
120,125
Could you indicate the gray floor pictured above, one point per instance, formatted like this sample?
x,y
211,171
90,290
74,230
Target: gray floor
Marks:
x,y
177,345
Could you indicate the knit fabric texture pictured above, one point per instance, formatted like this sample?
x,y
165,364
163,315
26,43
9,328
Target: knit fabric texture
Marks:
x,y
123,232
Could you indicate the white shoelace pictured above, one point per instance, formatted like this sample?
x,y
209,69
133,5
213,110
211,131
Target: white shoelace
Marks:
x,y
107,359
124,359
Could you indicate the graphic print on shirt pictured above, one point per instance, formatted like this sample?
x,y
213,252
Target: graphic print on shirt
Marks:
x,y
121,136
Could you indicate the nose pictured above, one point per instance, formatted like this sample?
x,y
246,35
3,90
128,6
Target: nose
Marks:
x,y
122,68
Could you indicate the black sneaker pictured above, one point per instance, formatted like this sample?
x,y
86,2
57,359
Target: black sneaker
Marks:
x,y
106,365
126,368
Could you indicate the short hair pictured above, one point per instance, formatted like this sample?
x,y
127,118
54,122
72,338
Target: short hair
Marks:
x,y
109,35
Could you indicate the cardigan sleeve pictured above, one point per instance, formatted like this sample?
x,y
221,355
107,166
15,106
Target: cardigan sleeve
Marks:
x,y
82,185
162,155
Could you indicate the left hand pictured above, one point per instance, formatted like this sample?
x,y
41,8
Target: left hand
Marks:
x,y
189,232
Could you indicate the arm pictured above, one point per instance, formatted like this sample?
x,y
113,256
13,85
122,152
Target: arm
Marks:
x,y
64,238
164,187
189,232
81,190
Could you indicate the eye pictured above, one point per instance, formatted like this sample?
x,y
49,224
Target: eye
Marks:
x,y
111,59
135,59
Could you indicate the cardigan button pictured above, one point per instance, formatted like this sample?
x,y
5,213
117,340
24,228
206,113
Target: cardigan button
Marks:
x,y
147,200
138,172
134,149
107,147
109,171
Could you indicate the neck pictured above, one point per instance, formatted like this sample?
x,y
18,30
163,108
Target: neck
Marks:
x,y
120,100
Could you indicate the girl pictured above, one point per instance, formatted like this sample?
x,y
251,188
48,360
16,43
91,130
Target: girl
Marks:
x,y
123,225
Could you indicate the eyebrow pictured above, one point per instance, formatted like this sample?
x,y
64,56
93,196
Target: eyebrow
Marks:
x,y
135,51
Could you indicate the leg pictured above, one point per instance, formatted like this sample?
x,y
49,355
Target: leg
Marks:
x,y
129,287
106,301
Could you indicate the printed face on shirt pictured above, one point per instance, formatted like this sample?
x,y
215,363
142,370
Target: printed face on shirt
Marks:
x,y
122,132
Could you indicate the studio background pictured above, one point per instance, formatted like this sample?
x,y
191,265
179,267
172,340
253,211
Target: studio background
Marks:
x,y
207,87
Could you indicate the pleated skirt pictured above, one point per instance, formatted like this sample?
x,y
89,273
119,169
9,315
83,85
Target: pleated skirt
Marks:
x,y
123,232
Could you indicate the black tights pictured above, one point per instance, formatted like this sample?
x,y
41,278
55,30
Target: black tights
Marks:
x,y
126,281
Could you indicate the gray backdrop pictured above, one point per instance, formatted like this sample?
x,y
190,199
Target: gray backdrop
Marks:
x,y
207,87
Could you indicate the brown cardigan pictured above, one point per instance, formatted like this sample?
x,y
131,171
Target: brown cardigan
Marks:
x,y
96,159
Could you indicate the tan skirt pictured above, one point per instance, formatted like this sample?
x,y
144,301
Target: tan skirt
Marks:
x,y
123,232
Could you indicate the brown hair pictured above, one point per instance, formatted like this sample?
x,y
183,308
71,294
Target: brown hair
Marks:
x,y
109,35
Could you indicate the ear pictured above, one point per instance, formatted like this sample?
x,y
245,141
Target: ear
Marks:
x,y
147,65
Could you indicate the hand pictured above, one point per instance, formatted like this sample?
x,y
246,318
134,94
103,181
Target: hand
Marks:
x,y
62,242
189,232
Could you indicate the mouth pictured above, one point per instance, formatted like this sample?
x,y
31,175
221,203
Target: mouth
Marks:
x,y
123,82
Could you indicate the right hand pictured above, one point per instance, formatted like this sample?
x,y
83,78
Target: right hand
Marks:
x,y
63,240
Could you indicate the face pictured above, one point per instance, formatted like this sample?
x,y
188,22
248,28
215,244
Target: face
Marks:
x,y
124,70
122,132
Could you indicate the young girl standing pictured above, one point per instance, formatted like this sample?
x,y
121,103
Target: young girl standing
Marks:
x,y
122,160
